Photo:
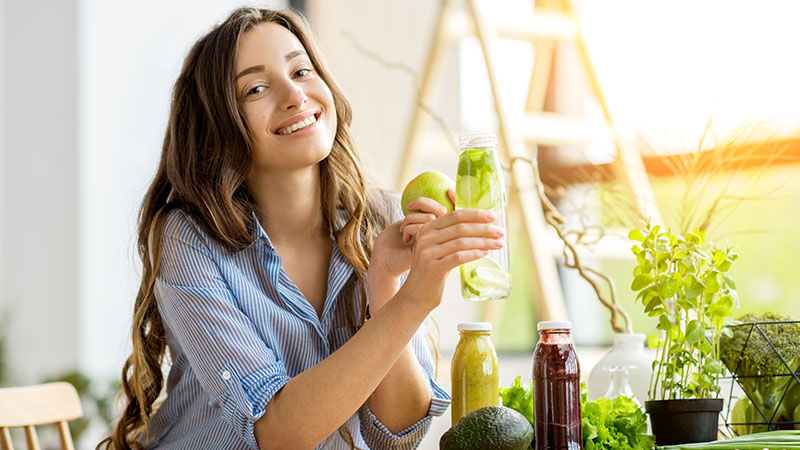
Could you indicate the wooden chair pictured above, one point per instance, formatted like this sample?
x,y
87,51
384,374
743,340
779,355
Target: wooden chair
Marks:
x,y
29,406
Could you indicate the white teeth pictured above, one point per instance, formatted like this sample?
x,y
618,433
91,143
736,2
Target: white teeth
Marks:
x,y
299,125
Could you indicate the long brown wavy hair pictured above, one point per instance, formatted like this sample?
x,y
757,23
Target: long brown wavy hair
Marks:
x,y
205,156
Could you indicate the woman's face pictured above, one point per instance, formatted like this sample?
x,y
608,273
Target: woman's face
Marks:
x,y
288,108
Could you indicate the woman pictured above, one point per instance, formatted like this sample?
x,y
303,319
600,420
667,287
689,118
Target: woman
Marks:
x,y
265,252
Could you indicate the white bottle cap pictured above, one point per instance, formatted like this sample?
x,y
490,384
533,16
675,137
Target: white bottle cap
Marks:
x,y
477,140
554,324
475,326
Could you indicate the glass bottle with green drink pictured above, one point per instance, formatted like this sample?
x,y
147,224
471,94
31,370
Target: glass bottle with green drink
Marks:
x,y
479,185
474,371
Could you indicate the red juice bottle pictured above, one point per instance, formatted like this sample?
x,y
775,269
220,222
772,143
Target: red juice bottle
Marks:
x,y
556,389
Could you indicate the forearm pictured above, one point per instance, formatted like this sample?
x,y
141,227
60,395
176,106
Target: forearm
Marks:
x,y
404,395
326,395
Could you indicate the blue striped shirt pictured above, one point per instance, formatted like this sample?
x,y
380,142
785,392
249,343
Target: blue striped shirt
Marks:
x,y
238,329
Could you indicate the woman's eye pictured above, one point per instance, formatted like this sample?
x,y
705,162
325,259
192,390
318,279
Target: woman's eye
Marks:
x,y
302,72
256,90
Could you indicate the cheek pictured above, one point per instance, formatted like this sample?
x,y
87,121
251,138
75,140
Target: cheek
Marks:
x,y
255,119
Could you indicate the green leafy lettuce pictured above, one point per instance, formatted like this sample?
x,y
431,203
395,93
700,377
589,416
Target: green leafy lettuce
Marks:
x,y
619,424
520,398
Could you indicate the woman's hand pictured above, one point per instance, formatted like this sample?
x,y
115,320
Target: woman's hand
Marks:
x,y
391,254
445,243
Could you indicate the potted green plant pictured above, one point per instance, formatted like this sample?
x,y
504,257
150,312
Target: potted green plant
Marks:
x,y
686,286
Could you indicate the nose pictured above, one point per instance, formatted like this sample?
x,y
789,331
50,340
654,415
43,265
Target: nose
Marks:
x,y
294,96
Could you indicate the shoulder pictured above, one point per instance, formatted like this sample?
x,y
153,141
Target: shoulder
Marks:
x,y
180,225
180,229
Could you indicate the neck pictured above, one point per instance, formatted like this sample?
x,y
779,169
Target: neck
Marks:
x,y
288,204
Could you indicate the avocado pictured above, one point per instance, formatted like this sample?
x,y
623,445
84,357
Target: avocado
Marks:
x,y
489,428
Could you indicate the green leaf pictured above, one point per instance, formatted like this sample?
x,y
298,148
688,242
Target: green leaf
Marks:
x,y
734,296
662,245
654,341
697,252
719,311
728,281
694,332
726,301
694,287
665,288
686,303
712,366
652,302
643,267
665,322
641,281
641,258
636,235
712,284
718,258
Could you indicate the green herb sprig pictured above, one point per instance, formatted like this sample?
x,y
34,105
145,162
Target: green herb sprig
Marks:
x,y
688,288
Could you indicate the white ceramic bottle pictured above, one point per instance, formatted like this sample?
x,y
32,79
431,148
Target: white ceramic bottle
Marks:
x,y
628,352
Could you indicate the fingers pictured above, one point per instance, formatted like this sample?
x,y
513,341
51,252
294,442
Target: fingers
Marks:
x,y
410,231
413,222
462,257
416,218
457,242
464,215
465,244
452,194
461,230
426,205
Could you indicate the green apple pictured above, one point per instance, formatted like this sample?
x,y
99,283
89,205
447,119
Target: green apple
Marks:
x,y
431,184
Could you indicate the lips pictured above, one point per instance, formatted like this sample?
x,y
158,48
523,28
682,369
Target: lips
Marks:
x,y
297,122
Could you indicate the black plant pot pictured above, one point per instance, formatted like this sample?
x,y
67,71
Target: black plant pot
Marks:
x,y
684,421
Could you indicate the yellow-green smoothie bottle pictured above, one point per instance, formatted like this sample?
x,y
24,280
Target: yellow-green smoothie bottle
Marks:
x,y
474,370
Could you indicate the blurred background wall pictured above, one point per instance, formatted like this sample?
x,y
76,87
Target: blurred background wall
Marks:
x,y
85,94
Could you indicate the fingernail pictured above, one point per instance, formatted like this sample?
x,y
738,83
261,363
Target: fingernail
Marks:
x,y
491,216
498,243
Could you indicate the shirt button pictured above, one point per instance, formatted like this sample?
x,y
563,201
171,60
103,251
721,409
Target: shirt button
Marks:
x,y
226,375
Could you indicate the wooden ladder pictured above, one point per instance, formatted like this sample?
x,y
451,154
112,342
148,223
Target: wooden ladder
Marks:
x,y
551,22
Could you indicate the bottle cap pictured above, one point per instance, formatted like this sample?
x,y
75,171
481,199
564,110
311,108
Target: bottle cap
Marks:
x,y
554,324
475,326
477,140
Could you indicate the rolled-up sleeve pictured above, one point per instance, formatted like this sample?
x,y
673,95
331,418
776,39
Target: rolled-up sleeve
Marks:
x,y
378,436
233,364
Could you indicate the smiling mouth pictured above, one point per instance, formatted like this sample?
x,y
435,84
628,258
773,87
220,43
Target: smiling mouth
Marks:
x,y
310,120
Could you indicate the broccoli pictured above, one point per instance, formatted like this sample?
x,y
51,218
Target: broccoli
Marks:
x,y
761,373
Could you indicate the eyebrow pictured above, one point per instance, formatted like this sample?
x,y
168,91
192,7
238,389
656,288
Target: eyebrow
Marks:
x,y
260,67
